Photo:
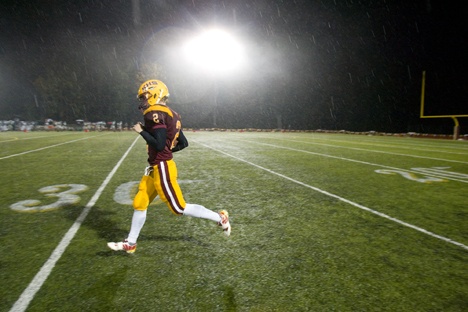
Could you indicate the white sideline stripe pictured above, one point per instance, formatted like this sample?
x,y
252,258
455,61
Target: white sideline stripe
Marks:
x,y
448,240
46,147
28,294
357,161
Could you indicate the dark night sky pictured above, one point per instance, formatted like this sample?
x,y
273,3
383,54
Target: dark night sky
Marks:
x,y
353,65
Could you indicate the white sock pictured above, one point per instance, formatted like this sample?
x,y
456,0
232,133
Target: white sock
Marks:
x,y
198,211
138,220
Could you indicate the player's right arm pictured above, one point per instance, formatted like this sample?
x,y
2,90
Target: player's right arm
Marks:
x,y
156,138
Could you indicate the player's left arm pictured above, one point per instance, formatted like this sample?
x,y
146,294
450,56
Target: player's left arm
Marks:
x,y
182,142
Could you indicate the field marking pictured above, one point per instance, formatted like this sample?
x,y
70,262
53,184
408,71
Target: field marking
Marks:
x,y
380,214
441,172
405,146
46,147
34,137
10,140
354,160
383,152
410,142
28,294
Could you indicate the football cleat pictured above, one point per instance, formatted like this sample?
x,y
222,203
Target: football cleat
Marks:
x,y
224,223
125,245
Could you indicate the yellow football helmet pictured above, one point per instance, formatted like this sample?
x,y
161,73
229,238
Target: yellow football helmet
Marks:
x,y
154,91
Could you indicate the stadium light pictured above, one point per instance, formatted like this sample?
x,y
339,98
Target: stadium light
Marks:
x,y
214,52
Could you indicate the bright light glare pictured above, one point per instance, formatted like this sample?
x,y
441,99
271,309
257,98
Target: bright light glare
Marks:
x,y
214,51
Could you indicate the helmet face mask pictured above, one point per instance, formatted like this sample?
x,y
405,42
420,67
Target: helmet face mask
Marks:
x,y
152,92
143,103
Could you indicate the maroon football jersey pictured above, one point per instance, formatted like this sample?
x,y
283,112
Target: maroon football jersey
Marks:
x,y
161,116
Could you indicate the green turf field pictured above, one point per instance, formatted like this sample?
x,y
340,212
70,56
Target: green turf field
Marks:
x,y
320,222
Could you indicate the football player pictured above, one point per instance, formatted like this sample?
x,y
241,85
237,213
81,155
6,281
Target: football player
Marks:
x,y
162,131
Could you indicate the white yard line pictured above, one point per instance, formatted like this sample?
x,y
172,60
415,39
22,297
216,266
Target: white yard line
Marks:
x,y
357,161
408,142
46,147
445,239
28,294
383,152
37,137
407,145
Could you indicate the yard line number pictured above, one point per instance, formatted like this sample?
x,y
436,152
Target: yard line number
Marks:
x,y
435,174
64,198
67,194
